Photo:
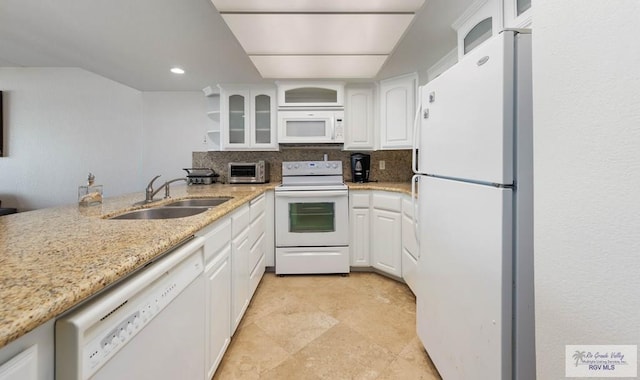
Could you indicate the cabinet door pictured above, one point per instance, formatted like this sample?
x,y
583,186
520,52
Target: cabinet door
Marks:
x,y
218,310
359,245
397,111
386,239
409,252
235,121
517,13
239,277
263,119
23,366
257,270
359,132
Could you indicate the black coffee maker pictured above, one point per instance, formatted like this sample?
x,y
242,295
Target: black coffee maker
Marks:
x,y
360,167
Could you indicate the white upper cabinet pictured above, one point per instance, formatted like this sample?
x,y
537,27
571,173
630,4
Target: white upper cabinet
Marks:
x,y
478,23
517,13
310,94
359,115
248,118
212,95
397,111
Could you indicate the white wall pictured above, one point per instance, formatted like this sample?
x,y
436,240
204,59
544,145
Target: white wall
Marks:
x,y
586,62
61,123
174,125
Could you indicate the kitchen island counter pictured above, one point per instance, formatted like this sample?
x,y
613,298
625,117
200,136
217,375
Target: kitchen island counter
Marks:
x,y
52,259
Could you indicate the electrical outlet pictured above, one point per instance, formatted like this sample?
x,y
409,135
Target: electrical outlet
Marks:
x,y
204,140
382,165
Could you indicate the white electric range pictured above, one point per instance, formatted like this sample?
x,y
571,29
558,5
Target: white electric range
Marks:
x,y
312,219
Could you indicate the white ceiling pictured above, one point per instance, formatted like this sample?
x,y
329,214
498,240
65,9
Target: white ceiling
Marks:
x,y
137,42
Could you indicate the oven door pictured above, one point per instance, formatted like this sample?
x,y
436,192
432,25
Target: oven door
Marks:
x,y
312,218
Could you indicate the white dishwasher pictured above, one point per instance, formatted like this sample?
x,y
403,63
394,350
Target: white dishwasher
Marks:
x,y
150,326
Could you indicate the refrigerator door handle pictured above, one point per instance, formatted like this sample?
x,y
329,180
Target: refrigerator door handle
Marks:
x,y
414,143
414,205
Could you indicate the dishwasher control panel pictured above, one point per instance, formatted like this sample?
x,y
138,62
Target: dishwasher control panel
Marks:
x,y
92,335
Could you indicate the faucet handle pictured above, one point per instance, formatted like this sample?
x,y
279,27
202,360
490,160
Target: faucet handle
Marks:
x,y
150,185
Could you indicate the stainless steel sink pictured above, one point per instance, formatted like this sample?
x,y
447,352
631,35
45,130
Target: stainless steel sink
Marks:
x,y
162,213
199,202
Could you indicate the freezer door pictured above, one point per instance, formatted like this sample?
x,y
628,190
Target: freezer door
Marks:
x,y
467,116
464,278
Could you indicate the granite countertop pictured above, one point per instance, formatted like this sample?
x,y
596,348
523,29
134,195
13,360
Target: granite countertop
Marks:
x,y
399,187
54,258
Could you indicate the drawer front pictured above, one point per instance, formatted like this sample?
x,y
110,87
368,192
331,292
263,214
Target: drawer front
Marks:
x,y
360,199
240,220
218,236
390,202
256,230
257,207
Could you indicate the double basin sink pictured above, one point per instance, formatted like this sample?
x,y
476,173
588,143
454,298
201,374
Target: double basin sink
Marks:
x,y
176,209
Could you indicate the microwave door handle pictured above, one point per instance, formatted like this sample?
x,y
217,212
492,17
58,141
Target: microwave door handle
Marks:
x,y
333,127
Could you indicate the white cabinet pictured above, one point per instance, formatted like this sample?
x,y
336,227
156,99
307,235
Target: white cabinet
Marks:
x,y
213,112
270,232
23,366
517,13
359,116
240,249
397,111
30,357
386,233
248,118
310,94
217,252
409,244
257,230
479,22
359,226
218,312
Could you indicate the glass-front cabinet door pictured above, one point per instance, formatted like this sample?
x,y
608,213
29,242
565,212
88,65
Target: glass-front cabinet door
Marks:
x,y
237,119
263,120
248,117
234,118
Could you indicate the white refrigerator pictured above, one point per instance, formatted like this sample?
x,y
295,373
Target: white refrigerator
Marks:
x,y
474,212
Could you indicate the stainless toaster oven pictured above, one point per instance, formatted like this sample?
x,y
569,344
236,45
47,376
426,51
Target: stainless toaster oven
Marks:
x,y
249,172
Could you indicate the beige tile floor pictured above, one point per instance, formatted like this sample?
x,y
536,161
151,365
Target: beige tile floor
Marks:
x,y
328,327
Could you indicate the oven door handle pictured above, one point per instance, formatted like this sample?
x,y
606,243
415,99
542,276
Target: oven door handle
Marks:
x,y
312,194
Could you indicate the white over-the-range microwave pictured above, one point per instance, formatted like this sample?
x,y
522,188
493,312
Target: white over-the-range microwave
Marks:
x,y
311,126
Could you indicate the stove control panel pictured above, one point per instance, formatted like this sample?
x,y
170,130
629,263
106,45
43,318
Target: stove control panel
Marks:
x,y
309,168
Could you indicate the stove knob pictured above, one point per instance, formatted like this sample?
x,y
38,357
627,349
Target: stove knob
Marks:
x,y
335,166
296,166
328,164
289,166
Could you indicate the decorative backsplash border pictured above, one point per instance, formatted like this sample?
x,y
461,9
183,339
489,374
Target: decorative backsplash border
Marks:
x,y
397,162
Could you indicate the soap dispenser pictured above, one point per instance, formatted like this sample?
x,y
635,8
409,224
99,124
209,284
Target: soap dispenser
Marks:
x,y
90,194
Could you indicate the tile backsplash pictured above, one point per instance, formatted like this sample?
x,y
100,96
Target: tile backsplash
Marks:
x,y
397,162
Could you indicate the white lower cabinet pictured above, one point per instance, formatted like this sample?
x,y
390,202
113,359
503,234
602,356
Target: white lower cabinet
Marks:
x,y
30,357
240,249
218,309
258,269
217,253
409,245
377,231
386,242
257,238
359,225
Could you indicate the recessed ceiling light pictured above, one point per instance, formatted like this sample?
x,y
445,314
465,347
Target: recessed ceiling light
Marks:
x,y
177,70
